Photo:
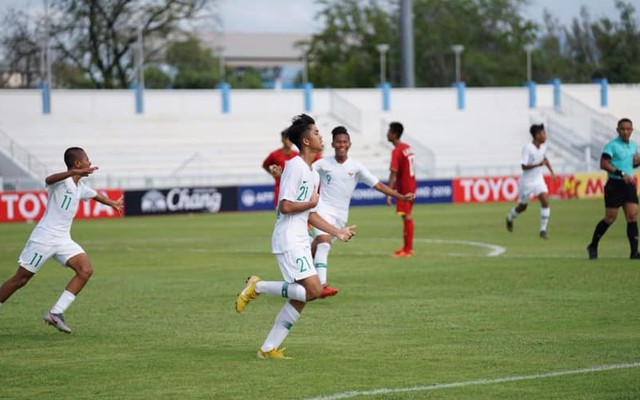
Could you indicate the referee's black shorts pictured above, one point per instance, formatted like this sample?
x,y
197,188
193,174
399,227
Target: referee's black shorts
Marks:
x,y
617,192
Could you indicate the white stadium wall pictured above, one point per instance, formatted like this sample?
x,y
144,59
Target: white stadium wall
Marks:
x,y
184,137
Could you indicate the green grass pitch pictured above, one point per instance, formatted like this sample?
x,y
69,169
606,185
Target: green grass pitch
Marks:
x,y
157,320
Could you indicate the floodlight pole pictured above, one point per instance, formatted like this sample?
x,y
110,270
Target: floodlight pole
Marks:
x,y
220,51
458,49
305,63
383,48
528,48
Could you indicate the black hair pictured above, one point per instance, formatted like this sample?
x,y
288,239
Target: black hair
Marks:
x,y
299,128
625,120
71,155
397,128
339,130
535,128
284,133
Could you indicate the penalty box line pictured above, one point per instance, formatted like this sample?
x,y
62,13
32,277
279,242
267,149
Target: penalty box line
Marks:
x,y
420,388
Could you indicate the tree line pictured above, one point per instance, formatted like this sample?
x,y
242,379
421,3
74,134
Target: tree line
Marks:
x,y
93,44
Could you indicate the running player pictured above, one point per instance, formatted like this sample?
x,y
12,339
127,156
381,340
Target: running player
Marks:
x,y
290,239
52,236
534,157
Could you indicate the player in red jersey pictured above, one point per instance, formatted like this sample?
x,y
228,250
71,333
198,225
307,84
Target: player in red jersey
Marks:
x,y
403,179
274,163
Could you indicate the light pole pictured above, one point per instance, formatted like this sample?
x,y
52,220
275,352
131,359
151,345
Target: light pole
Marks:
x,y
305,61
140,57
220,53
457,49
48,44
382,49
528,48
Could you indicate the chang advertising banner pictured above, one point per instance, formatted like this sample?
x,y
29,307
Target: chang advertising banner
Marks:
x,y
30,205
257,197
181,200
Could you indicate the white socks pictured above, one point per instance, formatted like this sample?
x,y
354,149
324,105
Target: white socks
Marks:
x,y
285,319
320,261
545,213
65,300
294,291
512,214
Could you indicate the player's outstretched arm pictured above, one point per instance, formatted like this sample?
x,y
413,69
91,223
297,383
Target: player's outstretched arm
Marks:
x,y
343,234
59,176
117,205
381,187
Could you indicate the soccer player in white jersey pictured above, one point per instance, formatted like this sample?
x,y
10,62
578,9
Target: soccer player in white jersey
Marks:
x,y
290,240
534,157
339,176
52,235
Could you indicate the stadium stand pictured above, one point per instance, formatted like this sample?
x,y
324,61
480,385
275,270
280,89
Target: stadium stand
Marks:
x,y
183,138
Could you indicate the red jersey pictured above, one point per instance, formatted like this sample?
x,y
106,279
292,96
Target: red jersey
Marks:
x,y
402,163
278,157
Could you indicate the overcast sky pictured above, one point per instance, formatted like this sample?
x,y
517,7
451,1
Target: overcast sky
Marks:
x,y
298,15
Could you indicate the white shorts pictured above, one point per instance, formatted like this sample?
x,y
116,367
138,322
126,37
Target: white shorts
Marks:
x,y
330,219
296,265
531,188
34,254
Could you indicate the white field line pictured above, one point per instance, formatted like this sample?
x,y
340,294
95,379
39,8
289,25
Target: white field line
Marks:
x,y
435,386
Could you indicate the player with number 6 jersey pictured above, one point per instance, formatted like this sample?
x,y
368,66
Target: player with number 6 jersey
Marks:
x,y
402,178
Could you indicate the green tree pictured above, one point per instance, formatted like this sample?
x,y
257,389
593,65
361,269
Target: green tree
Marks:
x,y
246,78
70,76
344,54
195,65
156,78
493,33
618,45
549,58
19,43
99,36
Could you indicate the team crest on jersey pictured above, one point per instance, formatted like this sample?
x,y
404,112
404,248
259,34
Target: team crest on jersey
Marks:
x,y
351,173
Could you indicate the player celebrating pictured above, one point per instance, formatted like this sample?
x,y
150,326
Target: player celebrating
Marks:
x,y
339,176
290,240
534,157
403,179
52,237
274,163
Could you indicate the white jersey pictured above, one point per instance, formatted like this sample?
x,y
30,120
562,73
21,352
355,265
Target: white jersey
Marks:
x,y
64,196
298,183
532,155
338,181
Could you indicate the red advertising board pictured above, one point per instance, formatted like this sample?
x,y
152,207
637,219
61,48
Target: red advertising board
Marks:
x,y
30,205
485,189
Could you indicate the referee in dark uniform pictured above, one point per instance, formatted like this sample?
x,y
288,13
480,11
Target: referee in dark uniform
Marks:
x,y
619,158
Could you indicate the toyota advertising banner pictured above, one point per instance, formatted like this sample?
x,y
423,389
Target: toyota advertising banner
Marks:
x,y
485,189
181,200
30,205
